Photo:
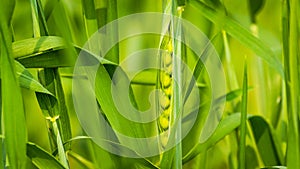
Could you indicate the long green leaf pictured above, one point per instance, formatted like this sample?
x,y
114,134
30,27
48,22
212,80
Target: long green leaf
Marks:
x,y
265,139
61,151
45,51
225,127
255,6
81,160
243,126
240,33
34,46
26,80
291,63
50,51
51,80
14,125
41,158
103,94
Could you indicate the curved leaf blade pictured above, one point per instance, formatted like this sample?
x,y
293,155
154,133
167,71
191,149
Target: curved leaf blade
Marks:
x,y
14,126
226,126
41,158
238,32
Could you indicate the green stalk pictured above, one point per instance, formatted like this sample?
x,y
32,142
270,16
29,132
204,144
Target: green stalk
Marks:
x,y
243,126
101,12
2,148
13,116
291,61
64,120
61,152
235,30
112,14
90,20
35,18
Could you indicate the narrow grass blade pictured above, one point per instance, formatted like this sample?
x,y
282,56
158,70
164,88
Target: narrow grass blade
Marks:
x,y
229,97
34,46
112,14
275,167
61,151
81,160
70,141
49,51
193,138
89,9
64,119
35,18
243,125
199,65
26,80
233,83
14,125
51,79
45,51
118,122
240,33
264,139
291,63
255,6
225,127
91,57
41,158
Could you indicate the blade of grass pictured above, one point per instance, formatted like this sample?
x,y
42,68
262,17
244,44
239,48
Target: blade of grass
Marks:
x,y
265,139
45,51
14,125
2,146
291,61
92,56
34,46
118,122
35,18
48,51
240,33
233,83
81,160
101,12
229,97
41,158
61,151
225,127
90,20
254,8
49,78
112,14
26,80
243,125
111,160
70,141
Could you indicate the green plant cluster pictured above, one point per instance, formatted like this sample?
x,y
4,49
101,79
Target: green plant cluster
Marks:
x,y
257,42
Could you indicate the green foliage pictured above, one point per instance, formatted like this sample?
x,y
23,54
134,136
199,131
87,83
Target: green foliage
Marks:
x,y
40,41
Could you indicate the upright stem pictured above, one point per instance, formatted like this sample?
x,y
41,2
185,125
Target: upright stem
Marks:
x,y
291,61
243,126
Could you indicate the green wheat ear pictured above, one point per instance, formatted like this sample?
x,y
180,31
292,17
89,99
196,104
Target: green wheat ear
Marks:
x,y
165,76
164,83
